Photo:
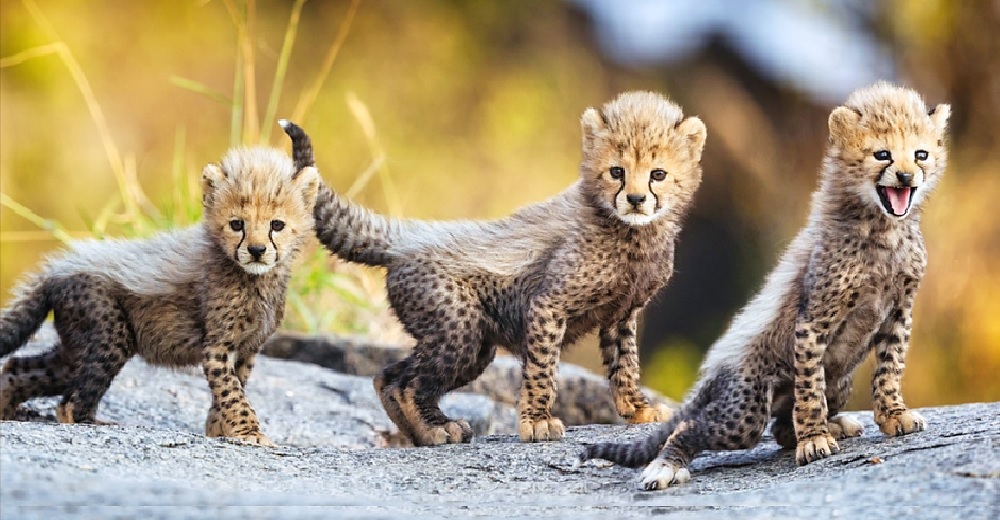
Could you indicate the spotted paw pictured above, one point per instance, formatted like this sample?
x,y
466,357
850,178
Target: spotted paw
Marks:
x,y
550,429
661,474
213,424
458,432
647,414
254,439
842,426
902,423
815,447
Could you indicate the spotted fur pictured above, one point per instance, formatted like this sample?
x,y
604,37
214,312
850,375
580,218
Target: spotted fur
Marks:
x,y
844,288
209,295
536,281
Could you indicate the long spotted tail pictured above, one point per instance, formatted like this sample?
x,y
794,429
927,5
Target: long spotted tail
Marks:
x,y
350,231
634,454
24,315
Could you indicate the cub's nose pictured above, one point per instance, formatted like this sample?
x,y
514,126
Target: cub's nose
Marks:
x,y
256,251
635,199
904,178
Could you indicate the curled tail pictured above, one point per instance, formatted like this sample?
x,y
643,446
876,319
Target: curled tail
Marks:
x,y
350,231
634,454
24,315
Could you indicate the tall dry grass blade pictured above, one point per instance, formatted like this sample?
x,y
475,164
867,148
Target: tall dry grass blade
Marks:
x,y
177,180
200,88
251,122
29,54
51,226
236,120
36,236
96,113
309,96
280,71
364,118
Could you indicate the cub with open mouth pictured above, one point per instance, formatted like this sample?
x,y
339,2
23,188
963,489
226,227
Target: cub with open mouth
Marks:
x,y
843,289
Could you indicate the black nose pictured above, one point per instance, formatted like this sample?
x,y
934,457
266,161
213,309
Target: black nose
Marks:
x,y
256,251
634,199
904,178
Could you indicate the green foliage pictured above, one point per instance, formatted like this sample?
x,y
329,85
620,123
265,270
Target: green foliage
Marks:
x,y
672,368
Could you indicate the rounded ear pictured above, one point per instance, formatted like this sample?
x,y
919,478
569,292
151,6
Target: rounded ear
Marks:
x,y
211,177
308,183
939,115
695,132
591,123
843,123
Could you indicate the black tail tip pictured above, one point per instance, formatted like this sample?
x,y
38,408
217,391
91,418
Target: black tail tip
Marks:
x,y
290,128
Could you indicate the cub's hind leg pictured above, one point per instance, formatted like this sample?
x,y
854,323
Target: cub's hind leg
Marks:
x,y
32,376
729,412
411,389
95,327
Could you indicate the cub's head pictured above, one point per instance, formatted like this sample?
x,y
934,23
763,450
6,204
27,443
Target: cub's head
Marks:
x,y
259,206
887,148
641,157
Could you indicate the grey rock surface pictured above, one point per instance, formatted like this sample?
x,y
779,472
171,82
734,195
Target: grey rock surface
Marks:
x,y
583,397
156,464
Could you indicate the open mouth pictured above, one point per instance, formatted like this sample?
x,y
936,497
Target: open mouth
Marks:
x,y
896,200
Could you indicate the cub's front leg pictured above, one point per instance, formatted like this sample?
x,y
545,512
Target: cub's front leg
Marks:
x,y
213,423
813,326
231,414
891,344
540,360
620,356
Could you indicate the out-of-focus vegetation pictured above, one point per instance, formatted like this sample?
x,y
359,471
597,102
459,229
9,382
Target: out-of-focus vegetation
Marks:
x,y
441,109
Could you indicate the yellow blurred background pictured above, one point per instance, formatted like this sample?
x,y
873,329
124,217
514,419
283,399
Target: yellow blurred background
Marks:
x,y
452,109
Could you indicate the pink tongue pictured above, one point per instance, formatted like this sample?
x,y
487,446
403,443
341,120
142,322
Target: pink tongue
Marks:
x,y
899,198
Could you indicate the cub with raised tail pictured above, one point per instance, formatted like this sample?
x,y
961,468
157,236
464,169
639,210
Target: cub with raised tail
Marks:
x,y
536,281
844,288
209,294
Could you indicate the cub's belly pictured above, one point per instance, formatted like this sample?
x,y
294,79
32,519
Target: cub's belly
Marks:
x,y
851,342
168,334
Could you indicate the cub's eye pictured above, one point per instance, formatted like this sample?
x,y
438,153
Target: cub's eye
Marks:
x,y
883,155
277,225
236,225
921,155
617,172
658,174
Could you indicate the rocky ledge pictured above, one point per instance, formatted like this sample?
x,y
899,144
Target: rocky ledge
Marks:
x,y
332,463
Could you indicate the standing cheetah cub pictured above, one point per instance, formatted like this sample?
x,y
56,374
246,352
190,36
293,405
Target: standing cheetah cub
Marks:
x,y
534,282
208,294
844,288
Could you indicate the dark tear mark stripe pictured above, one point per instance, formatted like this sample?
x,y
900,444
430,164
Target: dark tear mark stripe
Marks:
x,y
243,236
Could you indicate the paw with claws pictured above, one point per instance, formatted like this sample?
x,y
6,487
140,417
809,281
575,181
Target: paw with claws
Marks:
x,y
842,427
661,474
535,430
648,414
901,423
815,447
253,439
451,432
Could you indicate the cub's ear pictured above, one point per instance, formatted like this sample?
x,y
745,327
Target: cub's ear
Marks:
x,y
843,123
591,123
307,180
939,115
695,132
212,177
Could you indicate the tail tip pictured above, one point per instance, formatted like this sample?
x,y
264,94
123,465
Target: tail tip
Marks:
x,y
284,123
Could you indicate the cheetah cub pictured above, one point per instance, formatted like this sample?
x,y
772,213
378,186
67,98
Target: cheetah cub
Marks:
x,y
844,288
536,281
208,294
